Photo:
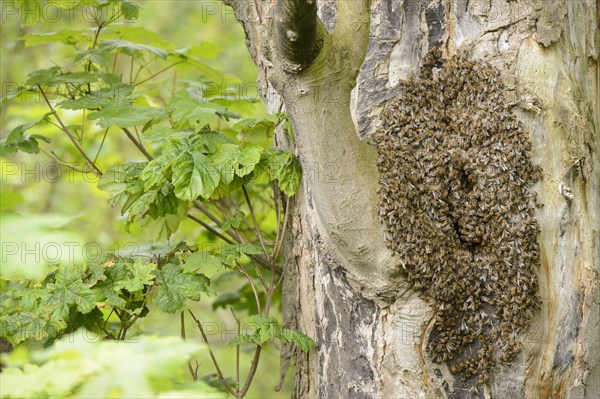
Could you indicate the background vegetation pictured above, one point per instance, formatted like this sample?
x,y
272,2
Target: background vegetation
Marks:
x,y
43,201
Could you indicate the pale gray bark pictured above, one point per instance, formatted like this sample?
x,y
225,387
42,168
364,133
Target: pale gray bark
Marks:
x,y
370,329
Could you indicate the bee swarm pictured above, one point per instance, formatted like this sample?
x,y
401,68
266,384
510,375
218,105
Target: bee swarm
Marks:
x,y
455,174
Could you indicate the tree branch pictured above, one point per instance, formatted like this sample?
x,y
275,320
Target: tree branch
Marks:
x,y
137,143
298,33
352,28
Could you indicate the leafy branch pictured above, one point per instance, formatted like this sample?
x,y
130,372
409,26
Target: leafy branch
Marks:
x,y
219,178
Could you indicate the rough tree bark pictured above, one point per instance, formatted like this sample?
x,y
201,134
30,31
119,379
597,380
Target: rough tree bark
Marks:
x,y
332,72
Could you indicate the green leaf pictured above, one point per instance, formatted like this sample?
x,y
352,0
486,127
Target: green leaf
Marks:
x,y
266,329
97,56
42,76
168,221
231,254
186,111
206,50
140,275
194,175
95,273
166,203
14,93
131,49
297,338
175,287
129,9
22,326
210,140
156,169
124,115
122,183
117,93
210,73
69,289
76,78
17,141
140,205
284,167
157,134
257,126
66,36
234,222
203,262
136,34
289,179
232,159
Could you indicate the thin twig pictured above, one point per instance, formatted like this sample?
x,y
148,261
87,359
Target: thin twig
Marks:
x,y
89,64
159,72
258,233
101,144
212,355
193,372
282,274
251,372
208,213
56,159
64,129
259,260
131,71
259,274
279,244
210,228
256,298
277,203
128,326
138,144
237,352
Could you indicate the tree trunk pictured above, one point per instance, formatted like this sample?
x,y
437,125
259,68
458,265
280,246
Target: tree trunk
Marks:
x,y
343,286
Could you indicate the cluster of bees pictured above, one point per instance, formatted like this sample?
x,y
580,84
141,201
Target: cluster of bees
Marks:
x,y
455,199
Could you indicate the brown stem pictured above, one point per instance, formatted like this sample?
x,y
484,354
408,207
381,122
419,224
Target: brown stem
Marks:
x,y
212,355
193,372
210,228
256,298
251,372
258,233
90,163
237,352
137,143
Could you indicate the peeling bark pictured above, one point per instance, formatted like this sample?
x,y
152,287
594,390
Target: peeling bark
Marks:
x,y
341,288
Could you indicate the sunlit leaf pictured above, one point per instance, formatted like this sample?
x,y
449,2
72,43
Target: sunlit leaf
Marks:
x,y
42,76
203,262
65,36
175,288
132,49
187,111
140,275
194,175
232,159
124,115
17,141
